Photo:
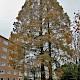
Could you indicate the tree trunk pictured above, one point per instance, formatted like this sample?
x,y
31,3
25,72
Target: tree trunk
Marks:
x,y
50,71
49,47
42,72
34,76
42,66
41,47
50,64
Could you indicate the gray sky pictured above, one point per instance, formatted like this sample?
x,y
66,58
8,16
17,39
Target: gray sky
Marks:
x,y
9,10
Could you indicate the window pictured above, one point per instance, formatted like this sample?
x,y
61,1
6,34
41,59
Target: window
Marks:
x,y
2,63
9,65
20,74
2,71
8,78
3,56
20,79
4,49
15,73
10,58
8,72
14,79
1,78
5,42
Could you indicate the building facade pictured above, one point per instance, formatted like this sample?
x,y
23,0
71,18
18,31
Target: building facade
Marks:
x,y
6,71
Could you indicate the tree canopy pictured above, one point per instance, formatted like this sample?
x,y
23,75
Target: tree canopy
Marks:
x,y
42,29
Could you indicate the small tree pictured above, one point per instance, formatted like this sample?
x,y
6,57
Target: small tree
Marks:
x,y
70,72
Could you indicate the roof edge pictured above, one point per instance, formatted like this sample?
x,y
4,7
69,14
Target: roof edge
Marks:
x,y
3,37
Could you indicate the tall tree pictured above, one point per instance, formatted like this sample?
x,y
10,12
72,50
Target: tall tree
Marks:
x,y
76,38
44,27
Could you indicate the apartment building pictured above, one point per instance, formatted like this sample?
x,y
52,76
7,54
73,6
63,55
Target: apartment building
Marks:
x,y
6,71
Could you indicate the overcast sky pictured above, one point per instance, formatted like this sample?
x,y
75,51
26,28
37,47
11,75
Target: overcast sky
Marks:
x,y
9,10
